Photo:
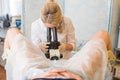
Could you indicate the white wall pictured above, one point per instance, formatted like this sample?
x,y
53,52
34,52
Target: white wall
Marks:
x,y
4,7
31,12
88,16
115,23
0,7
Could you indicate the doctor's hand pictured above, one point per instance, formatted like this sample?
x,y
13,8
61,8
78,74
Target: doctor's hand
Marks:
x,y
62,47
44,47
66,47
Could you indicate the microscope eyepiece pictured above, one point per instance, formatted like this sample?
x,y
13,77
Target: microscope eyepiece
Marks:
x,y
53,48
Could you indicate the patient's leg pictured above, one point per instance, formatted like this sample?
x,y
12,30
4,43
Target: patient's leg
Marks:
x,y
91,61
23,56
9,39
11,33
104,35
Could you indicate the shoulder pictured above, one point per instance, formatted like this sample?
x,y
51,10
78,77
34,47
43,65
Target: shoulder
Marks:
x,y
67,22
36,21
36,25
66,19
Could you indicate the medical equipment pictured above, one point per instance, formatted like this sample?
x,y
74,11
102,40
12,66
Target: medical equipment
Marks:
x,y
53,46
116,72
111,57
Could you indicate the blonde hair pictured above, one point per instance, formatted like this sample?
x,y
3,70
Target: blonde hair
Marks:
x,y
51,12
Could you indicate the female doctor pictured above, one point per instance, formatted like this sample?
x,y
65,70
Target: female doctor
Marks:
x,y
51,16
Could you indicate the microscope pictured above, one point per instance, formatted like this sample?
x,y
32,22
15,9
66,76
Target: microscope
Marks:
x,y
53,46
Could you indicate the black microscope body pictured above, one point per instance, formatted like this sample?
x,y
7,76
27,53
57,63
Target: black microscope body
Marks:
x,y
53,46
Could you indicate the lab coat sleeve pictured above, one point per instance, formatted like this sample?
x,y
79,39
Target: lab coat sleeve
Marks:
x,y
71,33
35,31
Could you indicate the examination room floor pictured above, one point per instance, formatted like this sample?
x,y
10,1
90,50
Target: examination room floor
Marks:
x,y
2,73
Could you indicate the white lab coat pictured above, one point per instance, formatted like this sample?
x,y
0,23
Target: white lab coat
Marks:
x,y
39,33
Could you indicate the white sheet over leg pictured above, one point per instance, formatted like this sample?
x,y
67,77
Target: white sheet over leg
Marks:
x,y
22,57
90,62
